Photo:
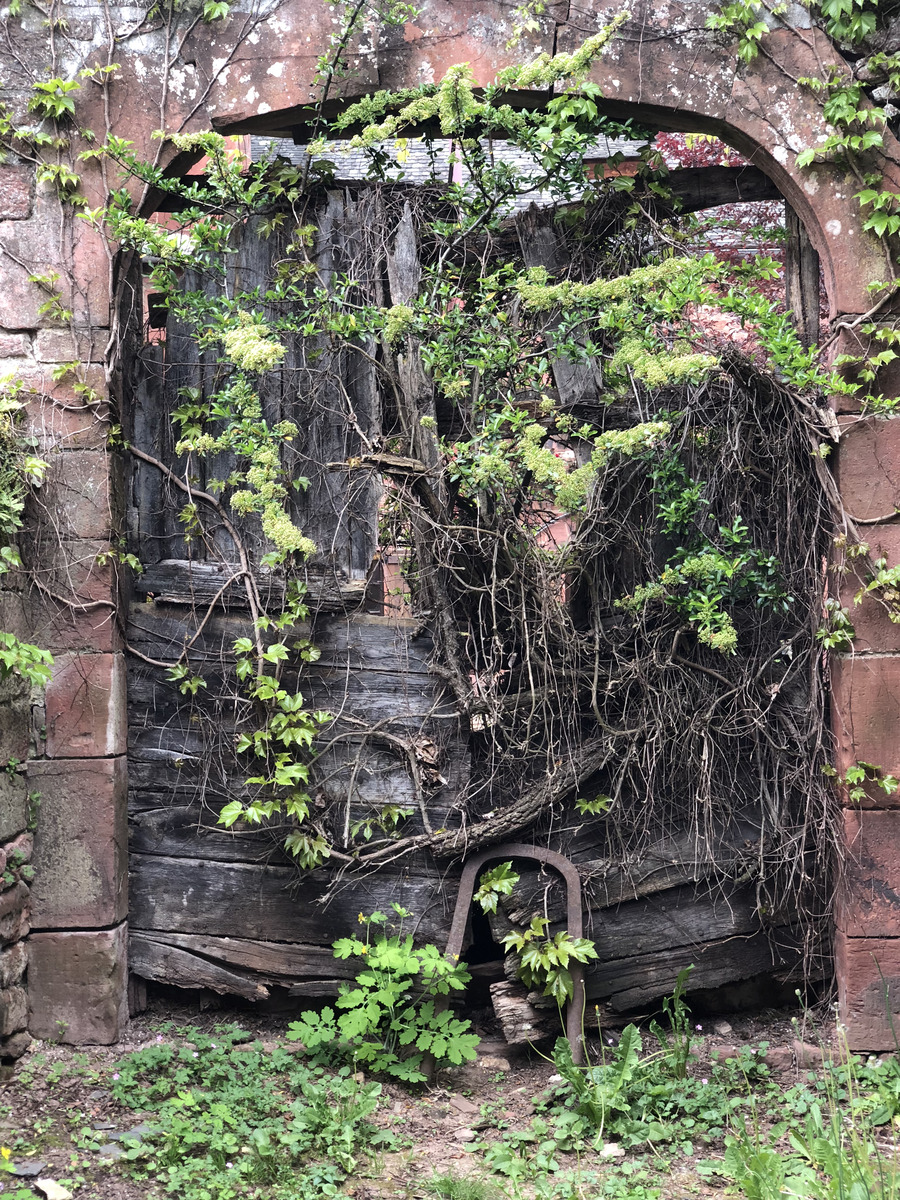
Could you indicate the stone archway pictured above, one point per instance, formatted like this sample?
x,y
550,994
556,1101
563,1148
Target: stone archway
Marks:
x,y
256,72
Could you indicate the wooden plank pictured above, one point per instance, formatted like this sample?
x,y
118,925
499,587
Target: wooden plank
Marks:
x,y
320,988
191,832
347,643
267,958
190,582
522,1023
698,188
268,903
167,964
634,982
801,279
607,881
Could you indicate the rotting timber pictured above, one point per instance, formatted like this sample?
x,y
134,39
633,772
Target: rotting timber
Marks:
x,y
718,816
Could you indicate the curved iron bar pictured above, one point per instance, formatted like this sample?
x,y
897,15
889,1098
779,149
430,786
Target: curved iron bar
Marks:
x,y
567,869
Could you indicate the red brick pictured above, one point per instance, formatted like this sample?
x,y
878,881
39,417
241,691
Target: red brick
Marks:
x,y
81,845
874,628
868,977
77,989
870,890
85,705
868,467
16,187
866,714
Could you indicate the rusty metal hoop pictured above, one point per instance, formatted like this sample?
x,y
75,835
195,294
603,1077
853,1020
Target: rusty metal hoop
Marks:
x,y
575,1015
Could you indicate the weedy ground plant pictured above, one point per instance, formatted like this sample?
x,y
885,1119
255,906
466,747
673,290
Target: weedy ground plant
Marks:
x,y
205,1112
395,1014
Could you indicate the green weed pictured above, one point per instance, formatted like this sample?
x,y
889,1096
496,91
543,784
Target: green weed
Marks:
x,y
392,1017
232,1120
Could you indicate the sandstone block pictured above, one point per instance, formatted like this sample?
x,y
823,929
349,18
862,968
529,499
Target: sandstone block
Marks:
x,y
13,804
16,1045
80,852
78,493
16,188
13,345
39,241
20,849
874,628
77,986
15,720
13,1010
868,975
808,1056
58,417
15,909
867,467
869,903
12,964
71,571
86,706
20,299
866,714
62,345
860,345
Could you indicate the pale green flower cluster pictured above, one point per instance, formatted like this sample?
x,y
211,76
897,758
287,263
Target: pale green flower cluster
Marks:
x,y
398,319
283,533
573,489
456,98
546,69
544,465
539,295
249,346
661,368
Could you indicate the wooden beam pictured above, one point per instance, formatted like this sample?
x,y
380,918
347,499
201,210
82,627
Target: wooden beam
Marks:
x,y
801,279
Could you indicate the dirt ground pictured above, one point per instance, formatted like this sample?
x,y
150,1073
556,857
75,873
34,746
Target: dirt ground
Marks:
x,y
55,1090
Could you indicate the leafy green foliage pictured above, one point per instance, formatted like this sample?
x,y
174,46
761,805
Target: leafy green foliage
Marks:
x,y
838,632
704,578
743,18
392,1016
676,1044
53,98
498,881
857,776
233,1120
28,662
544,961
20,471
282,740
